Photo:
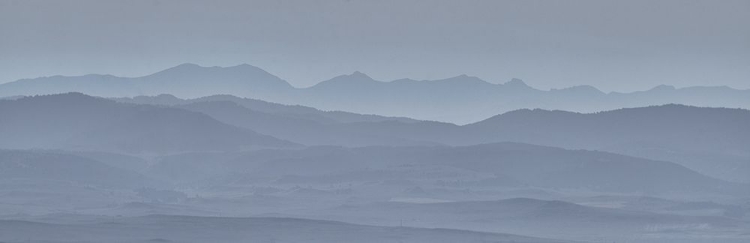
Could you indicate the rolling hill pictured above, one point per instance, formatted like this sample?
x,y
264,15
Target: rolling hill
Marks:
x,y
74,121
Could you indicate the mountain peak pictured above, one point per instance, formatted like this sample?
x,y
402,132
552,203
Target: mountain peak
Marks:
x,y
192,80
359,75
191,69
186,65
192,66
664,87
516,83
245,66
464,78
580,89
355,76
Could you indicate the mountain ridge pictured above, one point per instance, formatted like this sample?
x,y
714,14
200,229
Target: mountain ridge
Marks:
x,y
83,122
513,81
688,135
461,99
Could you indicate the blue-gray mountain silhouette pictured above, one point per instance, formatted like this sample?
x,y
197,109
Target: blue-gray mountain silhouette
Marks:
x,y
710,140
293,111
207,157
78,122
186,80
461,99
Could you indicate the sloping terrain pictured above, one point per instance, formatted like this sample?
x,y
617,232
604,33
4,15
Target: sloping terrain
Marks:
x,y
162,228
75,121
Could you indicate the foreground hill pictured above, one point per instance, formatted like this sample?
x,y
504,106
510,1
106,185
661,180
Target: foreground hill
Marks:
x,y
78,122
37,167
475,167
224,229
545,218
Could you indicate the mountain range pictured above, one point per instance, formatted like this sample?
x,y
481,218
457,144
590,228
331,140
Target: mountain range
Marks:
x,y
710,140
81,164
79,122
462,99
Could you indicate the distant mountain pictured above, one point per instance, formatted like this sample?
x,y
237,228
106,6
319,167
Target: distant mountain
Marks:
x,y
190,80
292,127
186,80
711,140
291,111
465,99
462,99
74,121
295,123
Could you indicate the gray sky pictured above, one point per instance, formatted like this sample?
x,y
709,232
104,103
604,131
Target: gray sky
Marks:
x,y
613,45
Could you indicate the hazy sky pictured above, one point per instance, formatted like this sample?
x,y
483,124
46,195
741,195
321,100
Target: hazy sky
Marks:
x,y
613,45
